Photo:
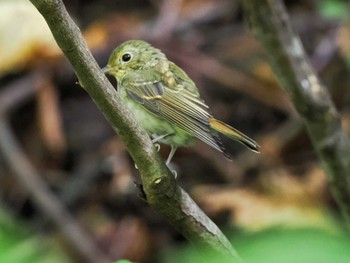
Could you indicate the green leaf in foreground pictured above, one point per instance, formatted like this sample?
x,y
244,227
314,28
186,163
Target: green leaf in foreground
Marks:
x,y
278,245
20,245
334,9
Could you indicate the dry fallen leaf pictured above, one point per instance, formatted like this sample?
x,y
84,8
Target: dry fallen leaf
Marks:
x,y
24,35
284,200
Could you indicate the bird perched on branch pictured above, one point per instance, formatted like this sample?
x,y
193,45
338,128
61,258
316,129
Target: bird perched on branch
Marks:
x,y
165,101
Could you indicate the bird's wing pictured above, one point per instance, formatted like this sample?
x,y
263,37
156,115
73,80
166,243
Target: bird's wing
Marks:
x,y
179,105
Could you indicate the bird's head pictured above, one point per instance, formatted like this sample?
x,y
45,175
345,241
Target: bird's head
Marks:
x,y
132,55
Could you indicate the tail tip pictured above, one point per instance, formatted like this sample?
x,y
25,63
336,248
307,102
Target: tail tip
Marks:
x,y
254,147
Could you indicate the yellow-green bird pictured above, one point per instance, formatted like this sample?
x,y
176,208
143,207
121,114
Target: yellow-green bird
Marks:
x,y
165,101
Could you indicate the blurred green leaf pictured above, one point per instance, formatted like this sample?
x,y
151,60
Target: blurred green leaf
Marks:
x,y
300,245
19,245
335,9
279,245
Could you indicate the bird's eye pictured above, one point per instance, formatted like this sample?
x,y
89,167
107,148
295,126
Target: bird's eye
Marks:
x,y
126,57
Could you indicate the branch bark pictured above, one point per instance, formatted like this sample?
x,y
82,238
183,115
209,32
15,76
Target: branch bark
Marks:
x,y
270,22
159,185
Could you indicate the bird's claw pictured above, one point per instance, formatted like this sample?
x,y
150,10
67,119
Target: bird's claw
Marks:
x,y
174,173
157,145
171,169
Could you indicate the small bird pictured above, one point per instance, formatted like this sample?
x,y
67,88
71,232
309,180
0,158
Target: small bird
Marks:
x,y
165,101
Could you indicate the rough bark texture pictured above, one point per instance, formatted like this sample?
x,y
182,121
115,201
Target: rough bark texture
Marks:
x,y
270,22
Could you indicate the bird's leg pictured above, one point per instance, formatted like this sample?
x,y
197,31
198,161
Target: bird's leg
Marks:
x,y
171,154
158,138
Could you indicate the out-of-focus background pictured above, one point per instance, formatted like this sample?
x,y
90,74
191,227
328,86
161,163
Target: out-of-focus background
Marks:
x,y
274,206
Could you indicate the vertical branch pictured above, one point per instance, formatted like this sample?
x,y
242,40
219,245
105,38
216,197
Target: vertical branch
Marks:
x,y
270,22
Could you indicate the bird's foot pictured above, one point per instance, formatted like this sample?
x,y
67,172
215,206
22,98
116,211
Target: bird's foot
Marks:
x,y
172,169
174,173
157,145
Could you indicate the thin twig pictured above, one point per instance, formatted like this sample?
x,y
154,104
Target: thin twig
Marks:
x,y
271,24
14,94
28,177
19,91
159,184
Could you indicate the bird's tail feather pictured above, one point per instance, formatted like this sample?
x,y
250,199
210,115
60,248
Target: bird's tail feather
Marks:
x,y
233,134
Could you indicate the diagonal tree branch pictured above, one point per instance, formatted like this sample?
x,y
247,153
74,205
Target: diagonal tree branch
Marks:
x,y
159,184
44,199
270,22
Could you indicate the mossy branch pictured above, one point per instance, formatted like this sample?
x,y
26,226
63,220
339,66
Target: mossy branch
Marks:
x,y
270,22
159,185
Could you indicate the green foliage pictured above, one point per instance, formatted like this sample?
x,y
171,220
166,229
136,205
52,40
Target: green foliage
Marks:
x,y
19,245
279,245
335,8
302,245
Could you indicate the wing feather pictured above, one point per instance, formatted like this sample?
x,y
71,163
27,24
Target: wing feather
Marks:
x,y
183,109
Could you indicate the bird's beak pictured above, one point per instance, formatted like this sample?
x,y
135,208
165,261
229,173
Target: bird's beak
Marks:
x,y
106,69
